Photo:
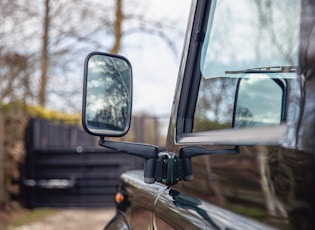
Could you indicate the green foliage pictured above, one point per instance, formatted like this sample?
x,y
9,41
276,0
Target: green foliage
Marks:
x,y
52,115
29,217
32,111
204,124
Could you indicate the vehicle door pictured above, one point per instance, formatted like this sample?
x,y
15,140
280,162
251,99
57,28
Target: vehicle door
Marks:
x,y
247,84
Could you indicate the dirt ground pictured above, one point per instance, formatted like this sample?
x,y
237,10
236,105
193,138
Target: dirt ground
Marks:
x,y
70,219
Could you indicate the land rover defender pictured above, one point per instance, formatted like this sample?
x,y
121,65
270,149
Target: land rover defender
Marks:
x,y
240,146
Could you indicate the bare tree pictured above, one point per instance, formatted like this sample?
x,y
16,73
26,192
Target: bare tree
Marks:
x,y
42,47
55,36
118,22
44,55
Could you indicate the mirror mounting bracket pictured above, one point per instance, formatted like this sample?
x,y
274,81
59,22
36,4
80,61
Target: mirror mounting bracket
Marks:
x,y
169,168
165,167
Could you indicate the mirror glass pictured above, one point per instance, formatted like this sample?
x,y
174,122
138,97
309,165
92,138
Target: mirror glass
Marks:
x,y
260,101
107,95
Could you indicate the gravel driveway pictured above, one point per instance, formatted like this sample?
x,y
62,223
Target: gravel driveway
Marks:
x,y
70,219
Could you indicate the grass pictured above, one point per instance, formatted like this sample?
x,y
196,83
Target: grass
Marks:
x,y
28,216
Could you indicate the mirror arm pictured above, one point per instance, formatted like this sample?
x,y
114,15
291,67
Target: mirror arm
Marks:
x,y
164,167
186,153
148,152
136,149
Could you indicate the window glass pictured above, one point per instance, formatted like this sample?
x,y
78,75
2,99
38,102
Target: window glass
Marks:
x,y
250,34
255,107
215,104
249,53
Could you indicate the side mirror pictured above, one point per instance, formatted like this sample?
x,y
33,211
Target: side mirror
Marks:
x,y
260,101
107,94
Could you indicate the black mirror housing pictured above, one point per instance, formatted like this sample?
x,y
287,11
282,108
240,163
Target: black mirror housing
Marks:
x,y
107,95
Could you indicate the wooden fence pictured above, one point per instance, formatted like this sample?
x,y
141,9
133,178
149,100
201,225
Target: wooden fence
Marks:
x,y
63,167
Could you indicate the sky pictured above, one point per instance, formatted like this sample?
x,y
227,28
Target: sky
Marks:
x,y
155,66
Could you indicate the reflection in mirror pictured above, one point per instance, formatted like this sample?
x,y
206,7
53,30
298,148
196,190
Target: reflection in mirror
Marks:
x,y
107,96
260,101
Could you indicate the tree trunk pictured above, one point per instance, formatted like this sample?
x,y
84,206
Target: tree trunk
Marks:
x,y
118,22
44,56
3,191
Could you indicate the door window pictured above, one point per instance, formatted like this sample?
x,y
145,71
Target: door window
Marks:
x,y
249,54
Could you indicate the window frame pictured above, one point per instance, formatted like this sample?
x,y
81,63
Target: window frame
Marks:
x,y
188,95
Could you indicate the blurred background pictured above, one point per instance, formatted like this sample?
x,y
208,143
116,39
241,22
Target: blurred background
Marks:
x,y
46,159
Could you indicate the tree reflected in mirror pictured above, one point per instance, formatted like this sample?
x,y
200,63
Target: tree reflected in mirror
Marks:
x,y
260,101
108,94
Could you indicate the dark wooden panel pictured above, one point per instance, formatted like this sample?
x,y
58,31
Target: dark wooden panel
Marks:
x,y
63,167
